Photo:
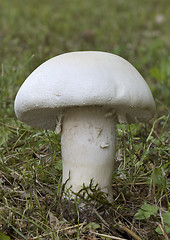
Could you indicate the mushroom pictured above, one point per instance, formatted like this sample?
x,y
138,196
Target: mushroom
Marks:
x,y
84,95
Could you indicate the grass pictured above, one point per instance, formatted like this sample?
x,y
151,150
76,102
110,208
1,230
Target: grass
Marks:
x,y
30,160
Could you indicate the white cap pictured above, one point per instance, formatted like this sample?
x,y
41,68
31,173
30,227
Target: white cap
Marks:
x,y
88,78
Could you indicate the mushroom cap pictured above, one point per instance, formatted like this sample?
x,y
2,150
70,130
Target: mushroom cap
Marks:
x,y
87,78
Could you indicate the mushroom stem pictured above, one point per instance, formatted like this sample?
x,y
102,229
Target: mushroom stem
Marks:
x,y
88,148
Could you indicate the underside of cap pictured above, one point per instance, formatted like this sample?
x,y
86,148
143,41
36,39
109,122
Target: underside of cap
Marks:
x,y
81,79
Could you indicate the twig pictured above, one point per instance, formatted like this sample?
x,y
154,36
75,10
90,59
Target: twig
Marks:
x,y
108,236
129,184
131,233
100,217
59,230
163,232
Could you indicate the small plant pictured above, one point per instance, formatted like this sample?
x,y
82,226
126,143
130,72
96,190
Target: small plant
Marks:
x,y
90,194
147,211
4,236
165,223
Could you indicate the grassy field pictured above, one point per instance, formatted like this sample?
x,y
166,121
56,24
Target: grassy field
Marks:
x,y
30,160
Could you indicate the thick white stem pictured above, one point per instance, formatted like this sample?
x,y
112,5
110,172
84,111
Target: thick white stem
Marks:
x,y
88,148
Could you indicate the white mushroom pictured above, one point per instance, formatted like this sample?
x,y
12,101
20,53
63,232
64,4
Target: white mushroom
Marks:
x,y
84,95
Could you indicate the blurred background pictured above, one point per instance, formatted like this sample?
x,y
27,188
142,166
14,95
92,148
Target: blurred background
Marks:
x,y
33,31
